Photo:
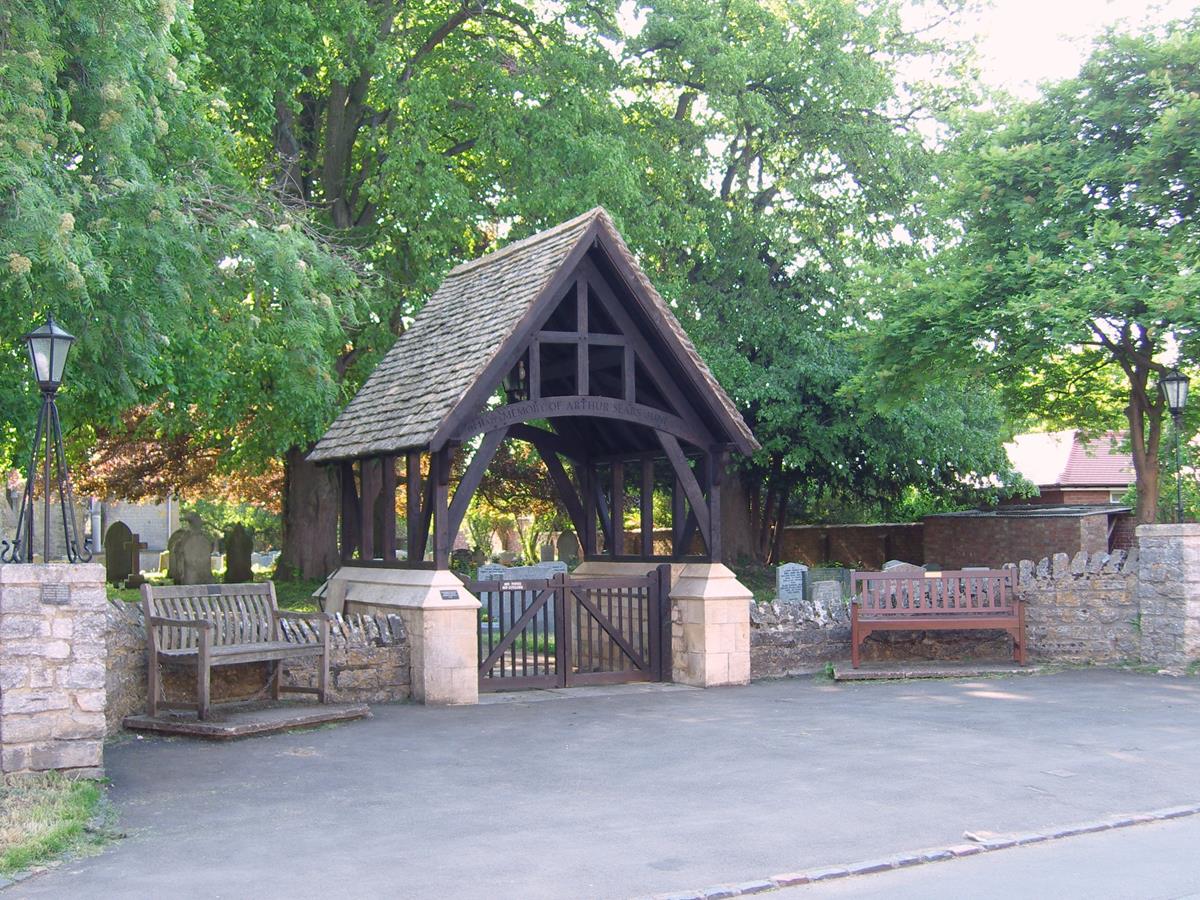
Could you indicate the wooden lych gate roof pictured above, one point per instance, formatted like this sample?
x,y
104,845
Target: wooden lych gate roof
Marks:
x,y
445,367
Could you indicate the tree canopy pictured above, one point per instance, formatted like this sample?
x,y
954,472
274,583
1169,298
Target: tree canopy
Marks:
x,y
238,205
1070,279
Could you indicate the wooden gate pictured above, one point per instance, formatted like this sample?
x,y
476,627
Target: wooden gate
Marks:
x,y
570,630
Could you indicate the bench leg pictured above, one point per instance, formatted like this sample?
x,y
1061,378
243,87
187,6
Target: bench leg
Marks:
x,y
323,678
153,678
855,637
276,679
203,684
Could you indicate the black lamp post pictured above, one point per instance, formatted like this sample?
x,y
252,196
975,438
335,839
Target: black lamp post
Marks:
x,y
1175,389
48,347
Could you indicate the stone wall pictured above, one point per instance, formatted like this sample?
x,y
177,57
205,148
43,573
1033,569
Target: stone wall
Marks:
x,y
1137,606
369,663
52,691
955,540
1082,609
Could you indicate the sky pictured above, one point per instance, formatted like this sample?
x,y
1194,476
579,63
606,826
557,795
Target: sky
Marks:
x,y
1023,42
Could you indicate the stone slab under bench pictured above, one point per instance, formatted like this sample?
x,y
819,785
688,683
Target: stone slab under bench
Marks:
x,y
892,671
246,720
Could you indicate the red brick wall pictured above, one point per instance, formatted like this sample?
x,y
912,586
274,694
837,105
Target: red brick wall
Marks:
x,y
862,546
952,542
1124,534
1059,496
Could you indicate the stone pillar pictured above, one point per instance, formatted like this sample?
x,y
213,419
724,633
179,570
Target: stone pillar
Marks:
x,y
52,668
710,630
441,617
1168,593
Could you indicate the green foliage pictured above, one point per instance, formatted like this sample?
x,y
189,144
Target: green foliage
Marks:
x,y
190,291
1074,259
219,515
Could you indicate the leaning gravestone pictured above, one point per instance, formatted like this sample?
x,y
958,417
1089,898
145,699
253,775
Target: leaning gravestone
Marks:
x,y
789,582
191,553
239,546
118,553
568,546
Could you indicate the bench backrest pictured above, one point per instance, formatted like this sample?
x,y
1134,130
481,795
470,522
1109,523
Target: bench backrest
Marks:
x,y
911,595
240,613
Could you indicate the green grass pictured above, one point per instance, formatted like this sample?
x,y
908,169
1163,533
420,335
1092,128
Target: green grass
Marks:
x,y
759,579
295,595
44,816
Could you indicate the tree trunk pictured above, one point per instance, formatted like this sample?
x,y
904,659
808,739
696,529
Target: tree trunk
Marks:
x,y
310,519
737,530
1145,434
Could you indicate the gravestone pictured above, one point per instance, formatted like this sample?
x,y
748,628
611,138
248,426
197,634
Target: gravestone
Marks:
x,y
789,582
568,546
827,593
899,567
239,545
118,553
191,553
546,553
538,572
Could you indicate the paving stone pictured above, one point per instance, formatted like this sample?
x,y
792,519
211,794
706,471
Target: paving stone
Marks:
x,y
1176,812
937,855
755,887
870,866
790,879
720,892
827,874
960,850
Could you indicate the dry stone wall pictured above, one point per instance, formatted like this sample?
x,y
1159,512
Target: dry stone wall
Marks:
x,y
1136,606
369,663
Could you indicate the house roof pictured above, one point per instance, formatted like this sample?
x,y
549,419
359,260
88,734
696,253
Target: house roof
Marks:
x,y
1065,459
472,319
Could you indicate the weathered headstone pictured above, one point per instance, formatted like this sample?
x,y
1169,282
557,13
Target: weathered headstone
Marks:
x,y
897,567
173,553
789,582
827,593
546,552
239,545
568,546
192,554
118,553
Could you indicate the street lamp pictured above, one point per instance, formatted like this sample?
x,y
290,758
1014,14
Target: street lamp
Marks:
x,y
48,347
1175,389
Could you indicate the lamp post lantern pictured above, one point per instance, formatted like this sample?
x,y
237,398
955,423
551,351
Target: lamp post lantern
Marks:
x,y
48,347
1175,390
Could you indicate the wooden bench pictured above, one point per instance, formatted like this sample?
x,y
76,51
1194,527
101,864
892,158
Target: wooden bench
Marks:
x,y
207,625
936,601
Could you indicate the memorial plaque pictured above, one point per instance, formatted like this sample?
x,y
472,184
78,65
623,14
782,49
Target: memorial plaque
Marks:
x,y
449,595
56,594
789,582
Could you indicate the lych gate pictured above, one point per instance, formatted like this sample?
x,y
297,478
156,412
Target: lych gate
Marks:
x,y
558,340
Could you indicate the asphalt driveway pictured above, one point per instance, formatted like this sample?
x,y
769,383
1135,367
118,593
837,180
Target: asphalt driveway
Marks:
x,y
635,793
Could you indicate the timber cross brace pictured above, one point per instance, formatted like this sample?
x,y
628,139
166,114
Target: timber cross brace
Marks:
x,y
560,341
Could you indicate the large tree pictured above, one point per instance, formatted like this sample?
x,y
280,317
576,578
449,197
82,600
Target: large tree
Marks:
x,y
1071,282
198,301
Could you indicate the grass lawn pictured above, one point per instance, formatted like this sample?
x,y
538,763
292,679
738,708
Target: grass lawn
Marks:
x,y
295,595
44,816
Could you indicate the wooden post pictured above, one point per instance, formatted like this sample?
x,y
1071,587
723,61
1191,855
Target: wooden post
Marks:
x,y
678,518
587,477
442,538
369,483
616,510
412,483
647,499
716,474
350,515
581,325
385,511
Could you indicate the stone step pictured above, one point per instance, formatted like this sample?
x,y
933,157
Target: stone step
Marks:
x,y
894,671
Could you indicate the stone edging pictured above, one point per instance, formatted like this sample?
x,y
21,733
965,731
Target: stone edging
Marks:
x,y
905,860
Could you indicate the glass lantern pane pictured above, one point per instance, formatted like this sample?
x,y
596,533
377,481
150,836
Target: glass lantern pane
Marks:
x,y
58,360
39,358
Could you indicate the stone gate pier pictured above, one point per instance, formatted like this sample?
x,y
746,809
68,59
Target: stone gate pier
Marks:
x,y
52,668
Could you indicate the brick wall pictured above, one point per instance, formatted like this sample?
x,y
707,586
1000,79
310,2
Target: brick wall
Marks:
x,y
856,546
953,541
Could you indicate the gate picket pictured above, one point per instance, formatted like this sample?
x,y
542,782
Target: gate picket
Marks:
x,y
573,630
